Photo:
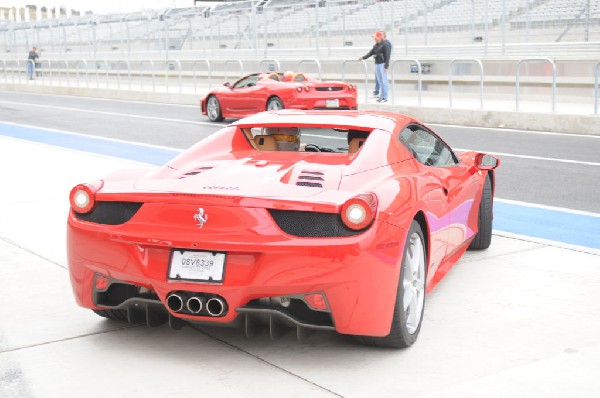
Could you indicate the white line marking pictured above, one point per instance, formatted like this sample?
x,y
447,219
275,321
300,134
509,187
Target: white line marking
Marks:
x,y
500,129
162,119
547,242
103,99
555,208
511,155
92,136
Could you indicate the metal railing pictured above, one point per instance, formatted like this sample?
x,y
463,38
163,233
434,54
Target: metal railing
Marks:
x,y
419,77
596,88
366,69
306,61
518,78
450,71
147,75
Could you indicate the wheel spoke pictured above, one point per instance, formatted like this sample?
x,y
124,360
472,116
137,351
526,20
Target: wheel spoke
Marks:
x,y
408,293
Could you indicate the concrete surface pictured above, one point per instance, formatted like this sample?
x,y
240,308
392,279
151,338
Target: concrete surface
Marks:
x,y
519,319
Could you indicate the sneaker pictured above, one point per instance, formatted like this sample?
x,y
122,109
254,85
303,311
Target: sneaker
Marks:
x,y
375,94
380,100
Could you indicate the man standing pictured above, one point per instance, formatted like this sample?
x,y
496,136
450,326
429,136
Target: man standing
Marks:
x,y
33,56
381,52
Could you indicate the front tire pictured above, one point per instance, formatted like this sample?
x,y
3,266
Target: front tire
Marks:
x,y
410,297
483,238
274,104
213,109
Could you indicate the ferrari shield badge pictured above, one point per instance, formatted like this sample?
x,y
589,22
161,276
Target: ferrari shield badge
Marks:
x,y
200,217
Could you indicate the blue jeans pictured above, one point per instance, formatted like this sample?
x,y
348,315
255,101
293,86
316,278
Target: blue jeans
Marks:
x,y
30,70
381,80
376,91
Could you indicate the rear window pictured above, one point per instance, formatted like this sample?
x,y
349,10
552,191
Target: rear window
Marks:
x,y
307,139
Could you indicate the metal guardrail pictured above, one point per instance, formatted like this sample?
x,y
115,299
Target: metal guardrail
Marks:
x,y
531,60
366,74
269,61
209,73
450,70
419,78
60,71
230,61
142,62
168,68
596,88
305,61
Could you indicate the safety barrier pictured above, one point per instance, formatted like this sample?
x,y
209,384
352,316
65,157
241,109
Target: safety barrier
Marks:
x,y
450,70
530,60
148,75
419,77
366,69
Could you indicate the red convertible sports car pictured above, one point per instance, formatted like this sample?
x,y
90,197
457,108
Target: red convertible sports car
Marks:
x,y
307,219
272,91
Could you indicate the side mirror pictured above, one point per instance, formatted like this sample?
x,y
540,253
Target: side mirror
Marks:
x,y
227,85
486,162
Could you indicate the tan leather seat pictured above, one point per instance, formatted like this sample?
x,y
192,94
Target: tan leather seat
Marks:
x,y
265,143
356,144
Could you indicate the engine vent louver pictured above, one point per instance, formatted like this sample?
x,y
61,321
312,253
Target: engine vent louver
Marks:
x,y
309,178
110,213
308,224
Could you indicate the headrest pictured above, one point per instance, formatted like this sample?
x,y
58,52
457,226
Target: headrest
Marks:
x,y
355,144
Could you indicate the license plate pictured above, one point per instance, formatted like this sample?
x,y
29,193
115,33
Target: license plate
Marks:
x,y
198,266
333,103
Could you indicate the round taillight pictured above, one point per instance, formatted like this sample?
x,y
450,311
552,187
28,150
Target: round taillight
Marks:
x,y
299,89
306,88
359,212
351,87
83,197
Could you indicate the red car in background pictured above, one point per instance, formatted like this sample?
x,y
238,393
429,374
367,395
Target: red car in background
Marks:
x,y
315,220
258,92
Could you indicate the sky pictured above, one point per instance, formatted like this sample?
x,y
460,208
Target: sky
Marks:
x,y
100,6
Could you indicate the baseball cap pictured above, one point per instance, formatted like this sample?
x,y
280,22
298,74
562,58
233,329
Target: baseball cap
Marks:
x,y
378,35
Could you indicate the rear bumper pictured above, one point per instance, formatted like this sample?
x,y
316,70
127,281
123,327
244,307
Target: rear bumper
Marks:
x,y
320,101
357,274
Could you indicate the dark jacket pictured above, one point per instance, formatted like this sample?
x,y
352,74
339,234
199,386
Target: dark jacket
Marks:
x,y
381,52
33,56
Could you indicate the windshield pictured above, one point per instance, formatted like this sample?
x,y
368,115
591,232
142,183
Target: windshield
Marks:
x,y
307,139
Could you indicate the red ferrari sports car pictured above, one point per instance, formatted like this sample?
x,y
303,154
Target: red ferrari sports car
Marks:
x,y
308,219
272,91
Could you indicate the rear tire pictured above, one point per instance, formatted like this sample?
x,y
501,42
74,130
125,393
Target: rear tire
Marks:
x,y
213,109
274,104
114,315
407,319
483,238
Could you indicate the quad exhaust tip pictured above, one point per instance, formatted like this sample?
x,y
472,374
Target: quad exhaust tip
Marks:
x,y
216,306
175,302
195,304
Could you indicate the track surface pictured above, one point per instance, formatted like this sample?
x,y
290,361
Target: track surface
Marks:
x,y
548,169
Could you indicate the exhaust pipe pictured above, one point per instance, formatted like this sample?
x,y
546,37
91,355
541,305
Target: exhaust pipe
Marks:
x,y
216,306
175,302
195,304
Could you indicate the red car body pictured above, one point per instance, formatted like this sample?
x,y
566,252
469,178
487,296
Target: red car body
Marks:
x,y
264,211
252,93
